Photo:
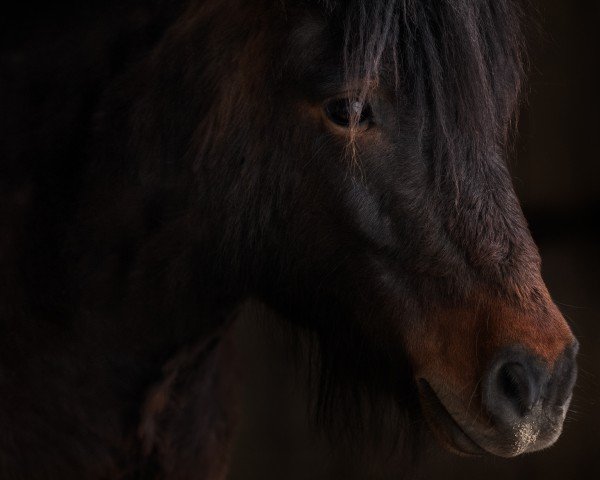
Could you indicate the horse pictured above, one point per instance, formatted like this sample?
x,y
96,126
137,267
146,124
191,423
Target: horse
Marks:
x,y
343,162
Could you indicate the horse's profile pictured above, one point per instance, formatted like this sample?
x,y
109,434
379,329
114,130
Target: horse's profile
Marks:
x,y
341,161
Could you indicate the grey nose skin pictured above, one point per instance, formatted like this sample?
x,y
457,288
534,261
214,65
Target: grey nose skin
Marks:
x,y
518,381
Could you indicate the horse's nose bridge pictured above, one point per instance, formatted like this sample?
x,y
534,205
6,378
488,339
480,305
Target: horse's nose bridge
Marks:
x,y
538,327
458,344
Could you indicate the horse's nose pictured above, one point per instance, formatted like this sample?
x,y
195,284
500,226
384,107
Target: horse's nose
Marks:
x,y
518,381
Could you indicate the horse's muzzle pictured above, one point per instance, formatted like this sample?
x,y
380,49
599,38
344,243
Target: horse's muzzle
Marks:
x,y
522,403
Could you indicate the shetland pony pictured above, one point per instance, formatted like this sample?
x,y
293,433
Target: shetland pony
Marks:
x,y
341,161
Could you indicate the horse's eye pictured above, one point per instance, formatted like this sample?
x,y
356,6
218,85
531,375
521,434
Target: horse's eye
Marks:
x,y
345,112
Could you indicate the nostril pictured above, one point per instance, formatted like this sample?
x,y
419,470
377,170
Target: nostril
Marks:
x,y
515,387
519,386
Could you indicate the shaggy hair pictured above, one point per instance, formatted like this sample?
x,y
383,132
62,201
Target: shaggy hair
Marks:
x,y
460,61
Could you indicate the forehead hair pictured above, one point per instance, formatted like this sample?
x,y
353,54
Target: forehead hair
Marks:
x,y
459,61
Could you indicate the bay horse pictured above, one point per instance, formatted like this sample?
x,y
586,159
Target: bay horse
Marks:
x,y
341,161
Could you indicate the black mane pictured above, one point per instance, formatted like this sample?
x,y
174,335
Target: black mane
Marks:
x,y
460,61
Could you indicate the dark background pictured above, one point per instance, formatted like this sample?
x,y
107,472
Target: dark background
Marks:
x,y
556,169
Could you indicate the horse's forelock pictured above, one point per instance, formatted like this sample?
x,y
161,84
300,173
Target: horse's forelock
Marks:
x,y
459,61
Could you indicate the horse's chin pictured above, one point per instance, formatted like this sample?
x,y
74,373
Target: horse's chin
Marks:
x,y
446,430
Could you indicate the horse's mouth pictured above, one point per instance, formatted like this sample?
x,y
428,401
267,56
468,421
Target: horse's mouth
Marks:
x,y
444,427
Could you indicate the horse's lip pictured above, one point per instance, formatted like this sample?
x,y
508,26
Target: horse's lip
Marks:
x,y
442,424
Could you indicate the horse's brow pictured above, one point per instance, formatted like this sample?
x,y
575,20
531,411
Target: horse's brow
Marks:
x,y
328,78
322,78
